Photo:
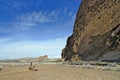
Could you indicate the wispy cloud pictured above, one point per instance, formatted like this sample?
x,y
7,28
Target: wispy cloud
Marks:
x,y
15,27
65,11
70,13
19,4
24,23
3,40
38,17
28,21
9,4
32,48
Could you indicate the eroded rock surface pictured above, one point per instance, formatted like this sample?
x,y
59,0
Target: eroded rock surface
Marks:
x,y
96,33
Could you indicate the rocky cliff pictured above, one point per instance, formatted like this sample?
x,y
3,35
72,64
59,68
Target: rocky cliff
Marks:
x,y
96,33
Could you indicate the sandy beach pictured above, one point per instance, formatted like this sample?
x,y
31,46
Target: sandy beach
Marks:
x,y
56,72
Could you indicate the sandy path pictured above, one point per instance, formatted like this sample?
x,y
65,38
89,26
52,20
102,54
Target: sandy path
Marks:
x,y
56,72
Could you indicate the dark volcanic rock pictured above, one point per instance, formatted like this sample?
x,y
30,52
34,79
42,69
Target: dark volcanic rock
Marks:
x,y
96,33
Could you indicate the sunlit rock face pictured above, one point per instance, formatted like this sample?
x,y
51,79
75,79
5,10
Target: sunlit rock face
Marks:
x,y
96,33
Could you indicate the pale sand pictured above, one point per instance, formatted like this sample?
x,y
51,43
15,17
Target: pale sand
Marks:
x,y
56,72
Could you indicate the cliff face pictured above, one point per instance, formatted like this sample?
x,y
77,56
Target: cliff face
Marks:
x,y
96,33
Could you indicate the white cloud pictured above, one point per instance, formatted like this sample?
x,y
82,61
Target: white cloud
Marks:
x,y
16,4
3,40
70,13
38,17
32,48
58,39
65,11
74,16
26,21
22,26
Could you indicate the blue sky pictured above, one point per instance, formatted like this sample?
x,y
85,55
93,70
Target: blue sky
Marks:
x,y
31,28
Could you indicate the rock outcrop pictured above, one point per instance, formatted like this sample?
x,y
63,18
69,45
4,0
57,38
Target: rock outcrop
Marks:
x,y
96,33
